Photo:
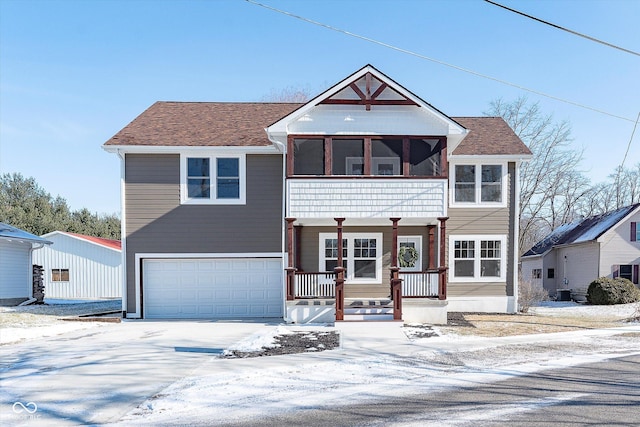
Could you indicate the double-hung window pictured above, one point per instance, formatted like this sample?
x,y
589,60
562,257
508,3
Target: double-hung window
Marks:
x,y
212,179
479,258
361,256
59,274
479,184
536,273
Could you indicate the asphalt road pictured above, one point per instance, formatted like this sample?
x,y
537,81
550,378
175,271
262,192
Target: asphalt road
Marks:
x,y
600,394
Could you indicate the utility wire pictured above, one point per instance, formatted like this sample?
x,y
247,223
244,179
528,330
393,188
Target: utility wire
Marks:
x,y
630,139
437,61
623,160
597,41
593,39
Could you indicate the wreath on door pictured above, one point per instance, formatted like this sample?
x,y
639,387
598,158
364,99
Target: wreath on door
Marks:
x,y
407,256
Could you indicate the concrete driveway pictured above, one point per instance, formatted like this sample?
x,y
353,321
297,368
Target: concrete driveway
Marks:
x,y
95,376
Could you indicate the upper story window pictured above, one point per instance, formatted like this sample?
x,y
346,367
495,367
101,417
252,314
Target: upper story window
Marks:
x,y
212,179
635,231
366,156
479,184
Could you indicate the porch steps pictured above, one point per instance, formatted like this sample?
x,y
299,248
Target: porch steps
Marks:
x,y
371,310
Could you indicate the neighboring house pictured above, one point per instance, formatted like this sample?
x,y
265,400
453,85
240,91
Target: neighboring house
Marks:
x,y
575,254
16,266
81,267
364,193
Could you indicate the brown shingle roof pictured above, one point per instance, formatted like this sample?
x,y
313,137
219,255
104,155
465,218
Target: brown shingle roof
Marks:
x,y
211,124
489,136
202,124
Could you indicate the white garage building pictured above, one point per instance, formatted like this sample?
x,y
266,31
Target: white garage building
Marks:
x,y
77,266
16,267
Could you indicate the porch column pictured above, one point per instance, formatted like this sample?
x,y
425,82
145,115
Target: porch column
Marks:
x,y
291,271
396,282
442,270
431,230
339,275
298,246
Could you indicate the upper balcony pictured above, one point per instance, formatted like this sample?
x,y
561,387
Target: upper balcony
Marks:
x,y
368,177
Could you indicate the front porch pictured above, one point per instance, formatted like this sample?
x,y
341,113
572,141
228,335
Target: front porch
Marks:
x,y
412,288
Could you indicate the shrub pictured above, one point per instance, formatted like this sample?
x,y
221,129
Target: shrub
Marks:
x,y
605,291
529,295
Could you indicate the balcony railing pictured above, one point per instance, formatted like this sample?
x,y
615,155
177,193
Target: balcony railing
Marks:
x,y
421,284
315,285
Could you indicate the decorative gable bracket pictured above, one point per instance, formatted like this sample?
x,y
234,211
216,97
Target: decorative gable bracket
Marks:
x,y
368,91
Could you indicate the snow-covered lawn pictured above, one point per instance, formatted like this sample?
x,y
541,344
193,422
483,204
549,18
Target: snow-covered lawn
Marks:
x,y
36,321
572,309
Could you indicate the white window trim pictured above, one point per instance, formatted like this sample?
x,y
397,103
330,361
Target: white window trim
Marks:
x,y
418,242
478,184
350,162
349,279
377,161
476,276
242,170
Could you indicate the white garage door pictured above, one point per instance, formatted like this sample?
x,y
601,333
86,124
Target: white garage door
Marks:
x,y
212,288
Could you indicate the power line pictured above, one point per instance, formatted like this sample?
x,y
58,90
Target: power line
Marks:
x,y
437,61
593,39
623,160
630,140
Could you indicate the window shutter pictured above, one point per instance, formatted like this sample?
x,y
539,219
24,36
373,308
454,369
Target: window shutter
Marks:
x,y
616,271
636,274
633,231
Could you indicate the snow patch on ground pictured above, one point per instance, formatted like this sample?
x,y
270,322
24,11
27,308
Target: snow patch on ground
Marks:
x,y
12,335
258,341
573,309
45,320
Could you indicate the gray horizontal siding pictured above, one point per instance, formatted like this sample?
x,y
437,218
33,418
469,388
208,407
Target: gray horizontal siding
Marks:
x,y
476,290
157,223
464,221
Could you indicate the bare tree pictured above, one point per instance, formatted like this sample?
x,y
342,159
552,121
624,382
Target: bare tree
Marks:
x,y
288,94
621,189
626,183
550,184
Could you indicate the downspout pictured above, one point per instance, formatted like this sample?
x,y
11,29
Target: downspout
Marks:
x,y
123,241
283,149
516,238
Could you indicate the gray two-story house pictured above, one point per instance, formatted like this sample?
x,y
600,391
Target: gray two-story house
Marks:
x,y
366,199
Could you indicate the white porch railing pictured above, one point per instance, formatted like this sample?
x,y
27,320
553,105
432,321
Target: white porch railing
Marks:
x,y
419,283
315,285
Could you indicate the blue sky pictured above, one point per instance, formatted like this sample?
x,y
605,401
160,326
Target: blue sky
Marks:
x,y
73,73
